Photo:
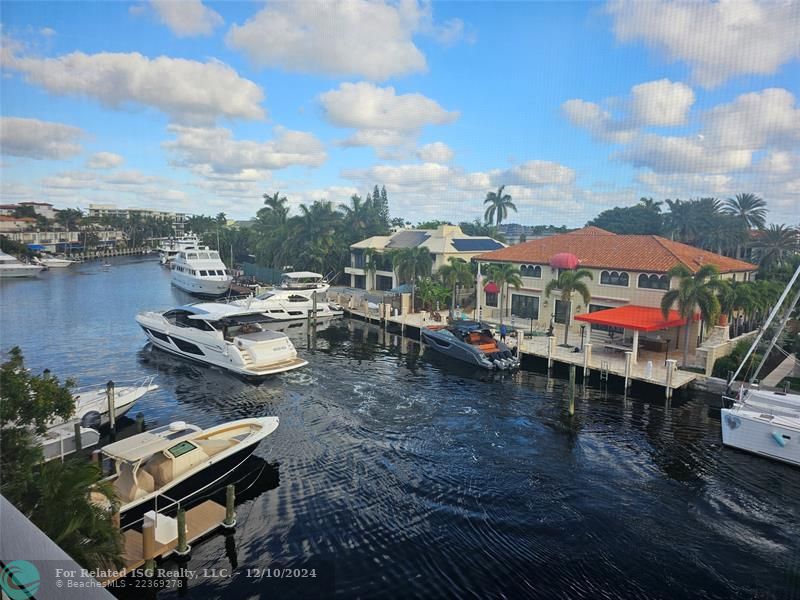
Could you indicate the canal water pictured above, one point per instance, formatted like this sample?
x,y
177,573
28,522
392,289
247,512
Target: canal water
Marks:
x,y
397,473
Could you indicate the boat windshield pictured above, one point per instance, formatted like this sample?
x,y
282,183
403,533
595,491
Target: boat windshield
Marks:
x,y
265,295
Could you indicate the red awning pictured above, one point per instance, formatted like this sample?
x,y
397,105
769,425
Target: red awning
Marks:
x,y
640,318
491,288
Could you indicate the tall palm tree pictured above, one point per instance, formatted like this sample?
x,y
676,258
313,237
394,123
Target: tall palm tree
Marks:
x,y
456,272
356,214
775,244
505,274
499,203
695,291
749,210
570,282
410,263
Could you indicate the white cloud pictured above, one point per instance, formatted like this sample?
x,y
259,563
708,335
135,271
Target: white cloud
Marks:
x,y
661,103
379,138
47,31
186,90
187,18
684,155
355,38
718,40
437,152
535,172
215,150
37,139
104,160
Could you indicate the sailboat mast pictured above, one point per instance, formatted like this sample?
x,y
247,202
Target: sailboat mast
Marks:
x,y
765,325
784,319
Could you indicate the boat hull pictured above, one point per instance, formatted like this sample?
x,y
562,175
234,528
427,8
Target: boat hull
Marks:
x,y
190,489
464,352
766,435
209,288
17,273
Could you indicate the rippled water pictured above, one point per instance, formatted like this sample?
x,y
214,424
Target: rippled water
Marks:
x,y
397,473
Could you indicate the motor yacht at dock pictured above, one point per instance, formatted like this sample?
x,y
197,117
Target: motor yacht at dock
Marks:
x,y
201,272
160,468
471,342
11,267
169,248
293,298
52,262
222,335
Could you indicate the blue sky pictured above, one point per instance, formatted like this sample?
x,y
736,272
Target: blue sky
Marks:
x,y
575,107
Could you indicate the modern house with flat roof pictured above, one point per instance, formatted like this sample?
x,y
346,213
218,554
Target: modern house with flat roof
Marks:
x,y
629,279
443,242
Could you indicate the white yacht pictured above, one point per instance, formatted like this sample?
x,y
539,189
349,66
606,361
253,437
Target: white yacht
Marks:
x,y
226,336
762,421
200,272
11,267
293,298
51,262
179,462
169,249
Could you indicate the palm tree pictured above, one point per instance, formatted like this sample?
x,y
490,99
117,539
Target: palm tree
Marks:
x,y
570,282
410,263
356,215
499,204
457,271
774,244
749,210
505,274
695,291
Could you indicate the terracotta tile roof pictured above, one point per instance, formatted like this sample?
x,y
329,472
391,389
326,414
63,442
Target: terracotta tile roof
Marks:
x,y
599,249
10,218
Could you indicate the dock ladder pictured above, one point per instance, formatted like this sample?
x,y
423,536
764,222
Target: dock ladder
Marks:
x,y
603,370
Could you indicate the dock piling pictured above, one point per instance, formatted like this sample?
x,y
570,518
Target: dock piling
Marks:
x,y
628,366
78,440
112,417
551,342
230,515
149,545
587,356
183,548
139,422
571,390
671,365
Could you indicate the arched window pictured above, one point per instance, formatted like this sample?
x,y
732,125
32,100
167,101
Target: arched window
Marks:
x,y
619,278
531,271
653,281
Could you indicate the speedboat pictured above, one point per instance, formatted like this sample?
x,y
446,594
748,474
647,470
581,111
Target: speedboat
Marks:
x,y
763,421
51,262
170,248
200,272
11,267
221,335
171,465
471,342
293,298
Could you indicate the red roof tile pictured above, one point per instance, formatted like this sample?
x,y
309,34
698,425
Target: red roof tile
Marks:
x,y
600,249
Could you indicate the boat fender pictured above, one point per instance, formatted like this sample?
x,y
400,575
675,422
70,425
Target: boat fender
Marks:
x,y
91,419
776,435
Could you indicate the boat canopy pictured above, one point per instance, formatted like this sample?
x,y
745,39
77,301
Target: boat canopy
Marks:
x,y
214,311
140,446
468,326
637,318
302,275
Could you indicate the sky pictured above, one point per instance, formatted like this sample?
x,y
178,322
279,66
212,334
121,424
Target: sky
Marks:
x,y
203,107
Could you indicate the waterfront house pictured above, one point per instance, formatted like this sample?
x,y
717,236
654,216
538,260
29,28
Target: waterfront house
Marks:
x,y
629,279
444,242
11,224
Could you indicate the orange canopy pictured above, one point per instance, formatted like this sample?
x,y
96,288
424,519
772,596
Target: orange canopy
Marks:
x,y
640,318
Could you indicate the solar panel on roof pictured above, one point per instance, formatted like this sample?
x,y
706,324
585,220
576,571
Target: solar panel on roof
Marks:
x,y
475,245
407,239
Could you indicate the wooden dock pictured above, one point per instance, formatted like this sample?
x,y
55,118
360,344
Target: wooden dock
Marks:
x,y
200,521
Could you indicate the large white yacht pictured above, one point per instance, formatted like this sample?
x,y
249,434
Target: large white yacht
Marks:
x,y
11,267
293,298
222,335
200,272
169,248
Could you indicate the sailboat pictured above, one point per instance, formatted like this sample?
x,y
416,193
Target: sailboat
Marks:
x,y
761,421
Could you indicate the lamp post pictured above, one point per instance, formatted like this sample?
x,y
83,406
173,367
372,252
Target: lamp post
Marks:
x,y
583,331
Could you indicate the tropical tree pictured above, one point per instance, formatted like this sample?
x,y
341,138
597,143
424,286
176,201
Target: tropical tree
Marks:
x,y
69,218
504,275
750,212
499,204
410,263
477,227
456,272
568,283
775,244
432,292
695,292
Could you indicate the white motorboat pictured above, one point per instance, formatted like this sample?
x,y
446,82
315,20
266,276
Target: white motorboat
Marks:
x,y
12,267
293,298
51,262
221,335
170,248
160,468
91,413
200,272
765,422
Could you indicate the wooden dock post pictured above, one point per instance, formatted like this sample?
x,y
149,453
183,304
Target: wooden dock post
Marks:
x,y
183,548
551,342
112,417
520,340
96,454
587,357
230,515
571,390
149,545
671,364
314,306
628,365
139,422
78,440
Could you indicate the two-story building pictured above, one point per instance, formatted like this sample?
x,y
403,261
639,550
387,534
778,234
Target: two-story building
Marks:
x,y
444,242
629,275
